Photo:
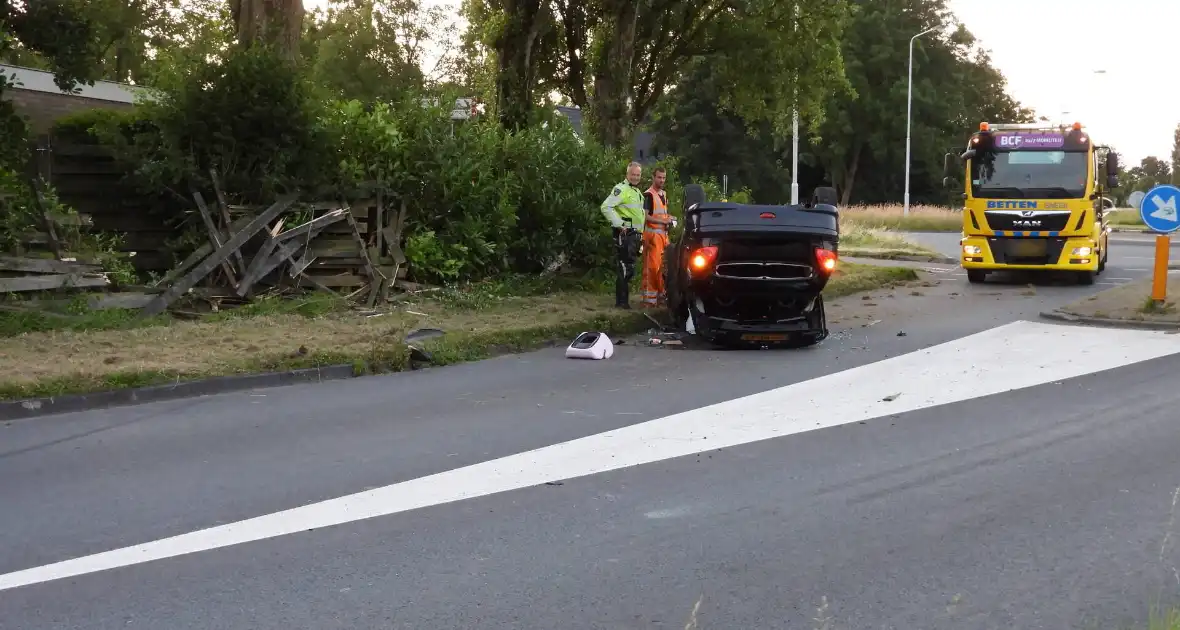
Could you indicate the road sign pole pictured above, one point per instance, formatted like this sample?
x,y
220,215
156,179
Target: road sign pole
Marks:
x,y
1159,276
1160,211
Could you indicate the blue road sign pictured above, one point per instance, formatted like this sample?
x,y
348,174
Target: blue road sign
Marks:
x,y
1158,209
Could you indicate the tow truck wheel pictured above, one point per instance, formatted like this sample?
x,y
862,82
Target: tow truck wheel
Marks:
x,y
1085,277
976,276
1102,261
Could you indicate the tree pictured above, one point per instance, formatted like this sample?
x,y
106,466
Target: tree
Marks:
x,y
277,23
616,59
61,33
860,146
709,141
954,87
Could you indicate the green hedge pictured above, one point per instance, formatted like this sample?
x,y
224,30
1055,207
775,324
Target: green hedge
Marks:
x,y
480,201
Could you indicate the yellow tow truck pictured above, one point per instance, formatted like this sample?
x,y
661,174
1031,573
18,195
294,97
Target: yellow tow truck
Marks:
x,y
1033,199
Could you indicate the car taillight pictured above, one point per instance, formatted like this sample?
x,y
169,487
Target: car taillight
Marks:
x,y
703,258
826,259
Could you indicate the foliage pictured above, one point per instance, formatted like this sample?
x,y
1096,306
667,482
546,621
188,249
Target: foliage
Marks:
x,y
479,201
1149,173
62,36
356,50
20,212
249,115
860,145
708,140
616,59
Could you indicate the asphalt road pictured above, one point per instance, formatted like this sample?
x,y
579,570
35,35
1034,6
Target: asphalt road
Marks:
x,y
1131,255
932,465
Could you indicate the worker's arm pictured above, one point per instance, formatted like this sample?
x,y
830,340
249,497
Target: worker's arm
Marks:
x,y
608,207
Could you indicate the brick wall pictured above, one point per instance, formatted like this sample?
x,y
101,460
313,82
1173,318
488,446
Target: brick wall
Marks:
x,y
42,108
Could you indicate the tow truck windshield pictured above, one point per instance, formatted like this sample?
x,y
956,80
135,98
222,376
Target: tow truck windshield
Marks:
x,y
1040,174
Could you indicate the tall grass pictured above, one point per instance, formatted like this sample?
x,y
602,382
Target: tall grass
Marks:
x,y
891,216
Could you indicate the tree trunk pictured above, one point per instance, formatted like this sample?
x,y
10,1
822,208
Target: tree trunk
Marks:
x,y
516,78
611,102
275,22
850,177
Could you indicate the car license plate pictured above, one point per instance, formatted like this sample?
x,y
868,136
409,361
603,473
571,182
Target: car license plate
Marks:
x,y
764,337
1030,247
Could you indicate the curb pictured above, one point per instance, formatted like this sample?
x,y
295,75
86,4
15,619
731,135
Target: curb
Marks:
x,y
33,407
1062,316
944,260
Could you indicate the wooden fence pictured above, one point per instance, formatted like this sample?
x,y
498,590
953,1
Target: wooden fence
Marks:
x,y
334,245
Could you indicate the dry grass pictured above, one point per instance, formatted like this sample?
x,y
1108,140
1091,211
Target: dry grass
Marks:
x,y
920,219
186,347
477,324
1130,302
859,240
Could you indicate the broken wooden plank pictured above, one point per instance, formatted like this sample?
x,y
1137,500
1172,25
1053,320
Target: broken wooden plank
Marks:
x,y
286,251
45,265
304,261
362,247
215,238
73,220
197,255
315,224
125,300
223,210
254,272
50,282
377,219
337,280
161,302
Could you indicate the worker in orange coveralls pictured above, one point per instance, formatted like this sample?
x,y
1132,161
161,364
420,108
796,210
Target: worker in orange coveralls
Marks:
x,y
655,239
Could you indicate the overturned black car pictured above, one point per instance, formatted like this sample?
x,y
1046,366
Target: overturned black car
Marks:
x,y
751,274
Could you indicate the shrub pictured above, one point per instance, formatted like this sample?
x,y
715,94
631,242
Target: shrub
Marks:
x,y
479,201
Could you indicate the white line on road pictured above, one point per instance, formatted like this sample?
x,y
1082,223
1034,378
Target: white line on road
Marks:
x,y
1010,357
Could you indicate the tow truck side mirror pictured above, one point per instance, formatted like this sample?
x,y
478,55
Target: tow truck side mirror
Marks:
x,y
948,165
1112,170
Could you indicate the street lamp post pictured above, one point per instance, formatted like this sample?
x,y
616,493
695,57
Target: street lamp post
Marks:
x,y
795,127
908,113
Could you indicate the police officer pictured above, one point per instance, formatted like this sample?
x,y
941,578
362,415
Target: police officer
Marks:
x,y
624,209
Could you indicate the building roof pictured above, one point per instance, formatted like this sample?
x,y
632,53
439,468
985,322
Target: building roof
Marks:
x,y
42,81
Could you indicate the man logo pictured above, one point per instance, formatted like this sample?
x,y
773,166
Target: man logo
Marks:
x,y
1027,213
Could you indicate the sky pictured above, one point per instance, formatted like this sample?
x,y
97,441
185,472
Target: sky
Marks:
x,y
1051,52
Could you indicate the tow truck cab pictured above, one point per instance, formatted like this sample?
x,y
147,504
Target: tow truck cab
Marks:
x,y
1033,199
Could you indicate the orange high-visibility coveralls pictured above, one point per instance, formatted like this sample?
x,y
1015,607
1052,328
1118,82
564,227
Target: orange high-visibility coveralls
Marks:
x,y
655,239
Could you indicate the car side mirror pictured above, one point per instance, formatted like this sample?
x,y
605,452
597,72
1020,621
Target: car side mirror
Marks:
x,y
1112,181
1112,164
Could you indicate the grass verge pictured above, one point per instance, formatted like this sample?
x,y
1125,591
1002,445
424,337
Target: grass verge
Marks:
x,y
870,242
480,321
892,217
1130,302
1127,219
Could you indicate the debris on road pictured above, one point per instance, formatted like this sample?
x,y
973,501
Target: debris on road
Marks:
x,y
590,345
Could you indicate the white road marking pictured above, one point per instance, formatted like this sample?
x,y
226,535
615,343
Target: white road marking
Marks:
x,y
1013,356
